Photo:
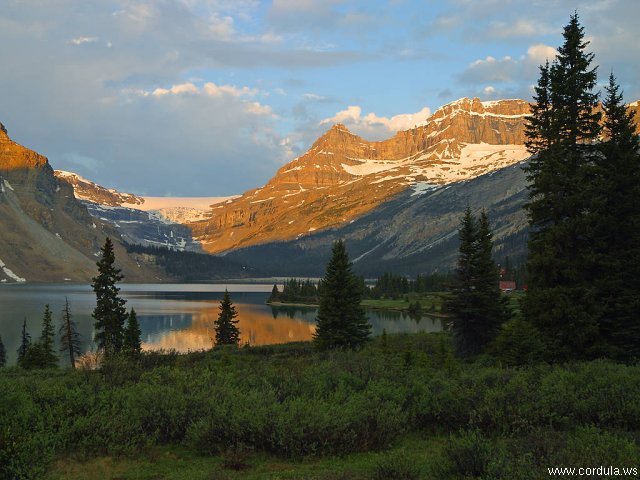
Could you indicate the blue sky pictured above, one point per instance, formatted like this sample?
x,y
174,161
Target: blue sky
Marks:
x,y
210,97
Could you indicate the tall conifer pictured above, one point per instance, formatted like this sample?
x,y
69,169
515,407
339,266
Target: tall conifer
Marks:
x,y
476,304
49,358
341,320
3,354
561,132
616,222
69,336
226,326
25,342
110,313
132,343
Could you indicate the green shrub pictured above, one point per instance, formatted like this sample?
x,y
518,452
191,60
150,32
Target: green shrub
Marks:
x,y
467,455
25,448
517,343
396,466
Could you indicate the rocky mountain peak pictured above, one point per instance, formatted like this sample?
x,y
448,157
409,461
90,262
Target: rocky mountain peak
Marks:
x,y
343,175
87,190
474,106
14,157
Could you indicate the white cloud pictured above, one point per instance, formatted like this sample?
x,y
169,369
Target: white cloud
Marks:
x,y
540,53
258,109
81,40
222,26
518,28
507,69
214,90
374,126
184,88
189,88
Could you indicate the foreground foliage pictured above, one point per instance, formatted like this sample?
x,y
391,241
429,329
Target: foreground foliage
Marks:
x,y
293,402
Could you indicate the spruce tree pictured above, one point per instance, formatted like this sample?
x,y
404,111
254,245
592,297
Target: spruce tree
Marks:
x,y
3,354
227,332
69,336
132,343
341,320
476,304
492,303
49,358
461,304
616,224
275,294
25,343
110,313
561,132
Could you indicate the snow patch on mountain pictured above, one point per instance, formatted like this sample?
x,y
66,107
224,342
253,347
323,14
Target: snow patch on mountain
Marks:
x,y
9,273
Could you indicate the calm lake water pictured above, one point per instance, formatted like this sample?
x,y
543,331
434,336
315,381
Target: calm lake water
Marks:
x,y
178,316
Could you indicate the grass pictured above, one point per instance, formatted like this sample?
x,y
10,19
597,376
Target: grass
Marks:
x,y
180,463
430,302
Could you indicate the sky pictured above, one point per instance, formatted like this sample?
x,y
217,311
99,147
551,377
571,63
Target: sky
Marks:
x,y
211,97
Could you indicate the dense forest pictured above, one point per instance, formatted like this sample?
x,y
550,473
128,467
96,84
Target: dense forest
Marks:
x,y
191,266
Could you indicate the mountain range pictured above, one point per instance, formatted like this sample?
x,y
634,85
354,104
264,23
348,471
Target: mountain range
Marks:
x,y
397,202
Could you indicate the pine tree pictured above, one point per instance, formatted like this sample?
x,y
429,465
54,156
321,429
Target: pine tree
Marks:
x,y
275,294
341,320
227,332
561,132
49,358
539,125
25,343
69,336
3,354
132,344
491,302
616,224
476,304
110,313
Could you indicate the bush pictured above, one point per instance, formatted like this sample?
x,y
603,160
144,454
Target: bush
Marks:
x,y
517,343
468,454
396,466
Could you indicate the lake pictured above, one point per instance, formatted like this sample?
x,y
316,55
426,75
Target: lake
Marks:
x,y
178,316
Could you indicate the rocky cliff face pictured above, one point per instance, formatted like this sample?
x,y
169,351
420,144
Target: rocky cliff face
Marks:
x,y
46,234
344,176
87,190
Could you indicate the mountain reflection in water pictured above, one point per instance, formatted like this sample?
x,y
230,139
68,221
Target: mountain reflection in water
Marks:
x,y
194,330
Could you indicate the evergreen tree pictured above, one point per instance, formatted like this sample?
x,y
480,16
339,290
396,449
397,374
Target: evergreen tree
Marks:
x,y
341,320
460,304
275,294
616,224
49,358
132,344
25,343
3,354
227,332
476,304
69,336
492,304
110,313
561,132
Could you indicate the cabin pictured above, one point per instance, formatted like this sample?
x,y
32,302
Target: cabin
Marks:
x,y
507,285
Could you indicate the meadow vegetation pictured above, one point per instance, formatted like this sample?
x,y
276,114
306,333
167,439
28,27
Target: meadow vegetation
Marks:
x,y
233,409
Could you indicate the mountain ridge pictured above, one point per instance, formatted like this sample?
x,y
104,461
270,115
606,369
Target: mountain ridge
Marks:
x,y
342,176
47,234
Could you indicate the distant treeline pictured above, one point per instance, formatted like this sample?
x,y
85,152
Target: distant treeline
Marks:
x,y
294,290
191,266
389,285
